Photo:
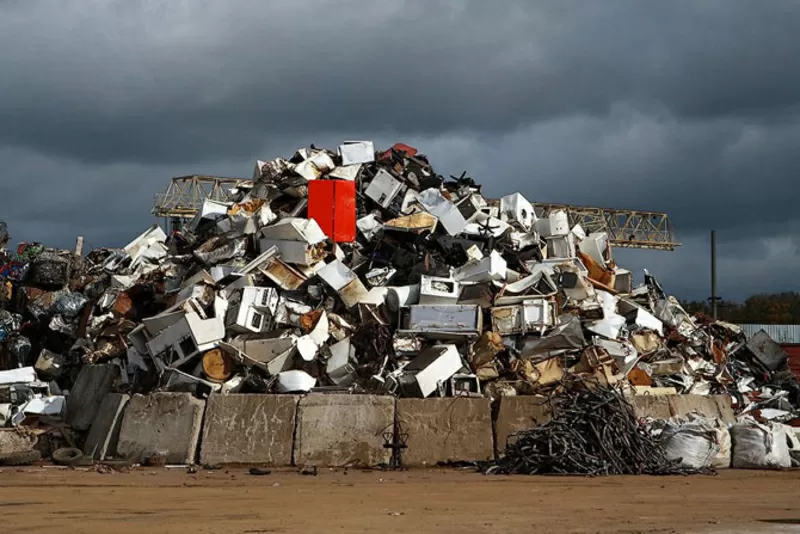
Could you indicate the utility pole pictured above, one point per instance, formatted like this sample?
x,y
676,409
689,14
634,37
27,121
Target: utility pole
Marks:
x,y
714,298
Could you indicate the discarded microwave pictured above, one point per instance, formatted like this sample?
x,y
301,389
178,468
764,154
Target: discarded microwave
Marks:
x,y
534,315
252,309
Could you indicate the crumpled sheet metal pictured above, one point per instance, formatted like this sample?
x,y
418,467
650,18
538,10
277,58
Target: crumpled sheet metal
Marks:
x,y
232,249
69,305
568,336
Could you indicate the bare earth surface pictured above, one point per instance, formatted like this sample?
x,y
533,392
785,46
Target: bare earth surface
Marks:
x,y
145,500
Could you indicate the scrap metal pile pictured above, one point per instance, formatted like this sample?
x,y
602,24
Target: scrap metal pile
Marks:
x,y
361,271
593,431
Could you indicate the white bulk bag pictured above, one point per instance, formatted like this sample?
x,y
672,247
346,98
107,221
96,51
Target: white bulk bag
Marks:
x,y
757,446
722,437
793,442
694,443
722,460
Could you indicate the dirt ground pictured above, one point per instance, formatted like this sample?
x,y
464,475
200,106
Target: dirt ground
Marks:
x,y
146,500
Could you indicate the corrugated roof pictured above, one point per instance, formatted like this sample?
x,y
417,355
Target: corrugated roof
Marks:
x,y
781,333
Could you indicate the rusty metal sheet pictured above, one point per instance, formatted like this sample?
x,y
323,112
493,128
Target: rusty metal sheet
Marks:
x,y
598,273
544,373
416,223
718,351
309,320
284,275
595,357
353,293
646,342
506,320
410,151
638,377
486,349
550,371
250,206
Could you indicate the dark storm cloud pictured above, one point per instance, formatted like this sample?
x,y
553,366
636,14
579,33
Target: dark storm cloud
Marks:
x,y
161,81
690,107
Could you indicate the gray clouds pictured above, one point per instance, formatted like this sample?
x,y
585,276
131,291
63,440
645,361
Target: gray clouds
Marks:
x,y
690,107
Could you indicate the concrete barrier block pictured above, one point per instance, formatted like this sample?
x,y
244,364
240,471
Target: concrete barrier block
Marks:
x,y
446,430
339,430
705,405
92,384
13,441
249,429
518,413
104,434
162,421
655,406
725,408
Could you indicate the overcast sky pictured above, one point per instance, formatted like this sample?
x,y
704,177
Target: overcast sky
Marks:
x,y
690,107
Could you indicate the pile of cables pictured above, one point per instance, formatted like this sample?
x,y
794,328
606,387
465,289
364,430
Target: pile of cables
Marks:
x,y
593,432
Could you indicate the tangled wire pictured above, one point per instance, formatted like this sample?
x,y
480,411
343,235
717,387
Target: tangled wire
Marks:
x,y
593,431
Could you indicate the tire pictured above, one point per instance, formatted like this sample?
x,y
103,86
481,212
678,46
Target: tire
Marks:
x,y
67,456
258,471
20,458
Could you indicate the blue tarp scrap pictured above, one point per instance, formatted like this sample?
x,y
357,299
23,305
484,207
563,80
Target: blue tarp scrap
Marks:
x,y
14,270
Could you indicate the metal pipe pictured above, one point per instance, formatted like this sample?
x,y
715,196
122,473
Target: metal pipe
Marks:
x,y
714,274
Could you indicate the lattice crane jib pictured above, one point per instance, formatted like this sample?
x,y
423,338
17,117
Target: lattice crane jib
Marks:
x,y
626,228
184,196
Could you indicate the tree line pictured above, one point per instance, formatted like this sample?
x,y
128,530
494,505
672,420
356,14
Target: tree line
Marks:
x,y
768,308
